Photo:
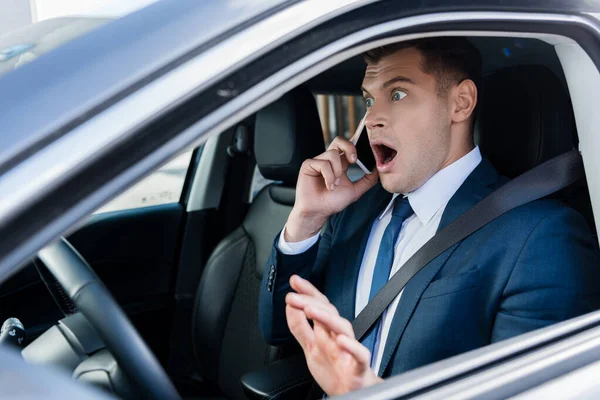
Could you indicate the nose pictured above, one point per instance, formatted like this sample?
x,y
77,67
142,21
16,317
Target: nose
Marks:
x,y
376,118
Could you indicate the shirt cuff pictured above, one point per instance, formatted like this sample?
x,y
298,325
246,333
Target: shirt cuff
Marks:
x,y
291,249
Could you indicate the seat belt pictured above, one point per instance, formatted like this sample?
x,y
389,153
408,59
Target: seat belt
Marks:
x,y
540,181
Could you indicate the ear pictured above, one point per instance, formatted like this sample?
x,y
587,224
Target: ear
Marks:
x,y
464,101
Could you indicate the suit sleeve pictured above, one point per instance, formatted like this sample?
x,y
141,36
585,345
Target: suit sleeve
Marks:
x,y
556,277
275,283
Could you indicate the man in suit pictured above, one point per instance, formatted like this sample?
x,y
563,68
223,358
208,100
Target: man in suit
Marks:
x,y
533,266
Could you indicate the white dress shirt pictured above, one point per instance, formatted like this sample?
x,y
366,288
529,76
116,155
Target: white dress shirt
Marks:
x,y
428,202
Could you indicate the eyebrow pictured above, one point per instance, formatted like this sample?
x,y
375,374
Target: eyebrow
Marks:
x,y
391,82
397,79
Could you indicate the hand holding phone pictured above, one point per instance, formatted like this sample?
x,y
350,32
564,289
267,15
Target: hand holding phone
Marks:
x,y
324,188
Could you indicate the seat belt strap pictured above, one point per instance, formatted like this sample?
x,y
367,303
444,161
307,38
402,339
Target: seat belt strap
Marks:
x,y
540,181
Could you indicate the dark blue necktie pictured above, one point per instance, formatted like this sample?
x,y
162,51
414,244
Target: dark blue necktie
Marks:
x,y
385,259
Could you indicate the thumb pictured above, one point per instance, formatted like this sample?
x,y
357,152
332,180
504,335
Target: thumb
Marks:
x,y
365,183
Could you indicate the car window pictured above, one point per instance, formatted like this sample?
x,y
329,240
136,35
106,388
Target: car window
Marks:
x,y
31,28
340,115
258,182
163,186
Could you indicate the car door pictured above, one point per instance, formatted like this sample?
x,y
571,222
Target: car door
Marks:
x,y
133,245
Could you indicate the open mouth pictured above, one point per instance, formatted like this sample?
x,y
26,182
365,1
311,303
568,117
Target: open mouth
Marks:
x,y
384,154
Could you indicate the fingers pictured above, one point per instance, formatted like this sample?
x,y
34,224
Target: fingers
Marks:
x,y
332,321
334,158
332,165
302,301
325,342
307,296
360,353
299,326
305,287
316,167
365,183
343,145
316,306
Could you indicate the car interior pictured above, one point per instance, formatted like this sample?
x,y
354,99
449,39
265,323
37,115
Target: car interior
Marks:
x,y
189,278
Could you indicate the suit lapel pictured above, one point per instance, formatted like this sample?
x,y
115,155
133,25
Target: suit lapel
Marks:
x,y
478,185
357,244
475,187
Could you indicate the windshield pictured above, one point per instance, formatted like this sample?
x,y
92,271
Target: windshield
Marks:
x,y
31,28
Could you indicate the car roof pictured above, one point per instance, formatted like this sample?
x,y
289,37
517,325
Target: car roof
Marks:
x,y
41,100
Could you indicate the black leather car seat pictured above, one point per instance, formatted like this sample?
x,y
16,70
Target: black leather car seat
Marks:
x,y
526,118
227,339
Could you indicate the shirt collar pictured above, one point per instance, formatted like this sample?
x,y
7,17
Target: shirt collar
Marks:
x,y
439,189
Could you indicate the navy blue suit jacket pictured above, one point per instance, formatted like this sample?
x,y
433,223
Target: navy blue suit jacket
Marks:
x,y
535,265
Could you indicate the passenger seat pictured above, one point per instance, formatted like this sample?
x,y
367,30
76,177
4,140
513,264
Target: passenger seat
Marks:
x,y
226,335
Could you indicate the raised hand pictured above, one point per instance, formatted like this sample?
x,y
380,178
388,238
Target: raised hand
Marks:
x,y
337,361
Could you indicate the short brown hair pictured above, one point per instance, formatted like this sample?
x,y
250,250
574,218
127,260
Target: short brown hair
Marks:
x,y
450,59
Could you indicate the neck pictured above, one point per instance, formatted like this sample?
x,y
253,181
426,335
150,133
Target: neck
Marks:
x,y
458,151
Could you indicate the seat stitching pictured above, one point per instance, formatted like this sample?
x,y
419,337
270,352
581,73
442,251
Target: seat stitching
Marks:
x,y
288,386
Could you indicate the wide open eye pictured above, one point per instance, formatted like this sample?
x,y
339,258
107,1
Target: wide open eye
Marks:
x,y
369,102
398,95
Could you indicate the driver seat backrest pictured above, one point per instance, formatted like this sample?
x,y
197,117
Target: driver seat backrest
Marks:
x,y
226,335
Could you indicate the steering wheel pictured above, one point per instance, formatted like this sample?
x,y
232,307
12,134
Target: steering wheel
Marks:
x,y
101,310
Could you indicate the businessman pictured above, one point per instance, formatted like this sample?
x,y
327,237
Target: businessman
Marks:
x,y
534,266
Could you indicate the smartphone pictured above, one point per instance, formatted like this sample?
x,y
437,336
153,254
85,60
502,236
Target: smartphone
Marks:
x,y
365,157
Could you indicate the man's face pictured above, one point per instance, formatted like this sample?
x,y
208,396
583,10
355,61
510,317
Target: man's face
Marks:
x,y
408,122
